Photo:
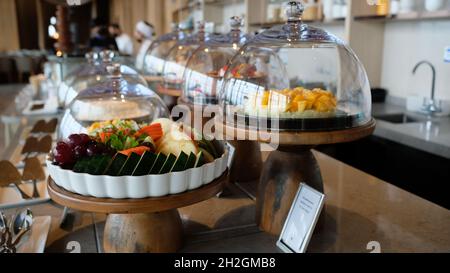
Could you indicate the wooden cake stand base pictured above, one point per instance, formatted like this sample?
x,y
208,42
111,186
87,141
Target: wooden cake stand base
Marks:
x,y
151,225
247,164
291,164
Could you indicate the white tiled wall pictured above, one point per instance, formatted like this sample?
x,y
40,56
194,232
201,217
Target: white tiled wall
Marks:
x,y
407,43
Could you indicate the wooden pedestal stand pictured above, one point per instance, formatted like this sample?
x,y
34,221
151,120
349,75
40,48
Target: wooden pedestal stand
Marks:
x,y
247,163
151,225
288,166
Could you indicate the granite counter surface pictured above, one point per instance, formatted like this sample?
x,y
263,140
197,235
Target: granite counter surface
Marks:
x,y
427,134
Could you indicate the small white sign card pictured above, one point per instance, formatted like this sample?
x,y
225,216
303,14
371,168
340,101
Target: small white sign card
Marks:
x,y
301,221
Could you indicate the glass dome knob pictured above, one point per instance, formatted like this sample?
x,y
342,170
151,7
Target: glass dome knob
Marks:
x,y
115,75
294,11
91,57
114,70
236,22
201,25
107,56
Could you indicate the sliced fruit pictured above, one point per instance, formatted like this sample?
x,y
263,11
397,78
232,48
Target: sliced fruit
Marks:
x,y
138,150
191,161
130,165
159,163
145,164
176,142
104,137
208,146
98,166
154,131
212,149
168,165
81,165
116,166
200,160
180,164
177,147
208,158
166,124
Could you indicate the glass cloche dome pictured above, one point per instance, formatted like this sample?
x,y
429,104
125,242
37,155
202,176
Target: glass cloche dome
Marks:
x,y
156,56
115,99
295,77
176,61
206,68
83,68
93,73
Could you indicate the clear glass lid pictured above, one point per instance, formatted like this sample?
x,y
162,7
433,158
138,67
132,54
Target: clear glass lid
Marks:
x,y
298,78
156,55
177,59
115,99
207,66
94,72
83,68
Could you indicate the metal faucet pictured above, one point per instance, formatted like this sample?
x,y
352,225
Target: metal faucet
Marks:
x,y
430,107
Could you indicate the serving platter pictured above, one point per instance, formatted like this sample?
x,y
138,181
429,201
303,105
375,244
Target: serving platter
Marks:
x,y
339,122
136,187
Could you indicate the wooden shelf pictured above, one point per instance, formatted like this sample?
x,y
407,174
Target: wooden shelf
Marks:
x,y
337,21
413,16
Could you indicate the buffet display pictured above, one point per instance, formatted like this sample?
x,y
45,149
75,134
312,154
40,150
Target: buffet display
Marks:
x,y
208,64
294,87
117,151
295,77
156,56
297,103
92,73
177,59
115,98
146,147
125,159
118,132
203,79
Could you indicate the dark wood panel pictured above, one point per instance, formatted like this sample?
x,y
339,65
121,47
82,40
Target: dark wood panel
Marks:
x,y
418,172
28,24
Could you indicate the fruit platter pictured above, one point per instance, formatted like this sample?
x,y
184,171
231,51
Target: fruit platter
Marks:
x,y
297,109
123,159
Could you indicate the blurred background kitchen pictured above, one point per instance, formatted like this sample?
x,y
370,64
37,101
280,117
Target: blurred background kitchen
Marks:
x,y
403,44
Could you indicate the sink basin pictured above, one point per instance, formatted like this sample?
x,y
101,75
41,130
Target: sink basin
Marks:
x,y
397,118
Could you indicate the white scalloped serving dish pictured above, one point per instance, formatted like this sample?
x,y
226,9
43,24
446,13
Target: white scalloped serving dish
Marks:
x,y
138,187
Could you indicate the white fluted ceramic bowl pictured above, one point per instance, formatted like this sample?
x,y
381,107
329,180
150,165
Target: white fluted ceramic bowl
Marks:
x,y
138,187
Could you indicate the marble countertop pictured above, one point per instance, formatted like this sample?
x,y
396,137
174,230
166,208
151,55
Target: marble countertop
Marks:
x,y
430,135
359,209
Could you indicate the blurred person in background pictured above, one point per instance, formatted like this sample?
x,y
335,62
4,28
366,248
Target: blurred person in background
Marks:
x,y
144,35
123,40
100,37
